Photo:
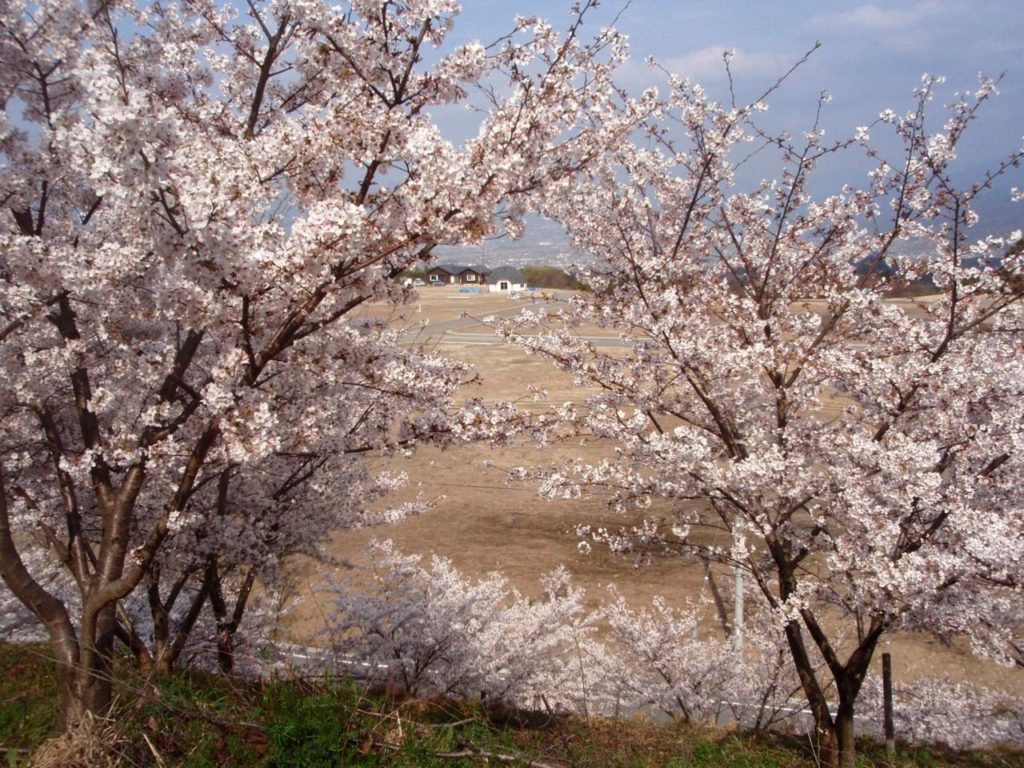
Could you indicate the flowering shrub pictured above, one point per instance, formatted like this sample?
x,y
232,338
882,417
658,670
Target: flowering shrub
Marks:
x,y
432,631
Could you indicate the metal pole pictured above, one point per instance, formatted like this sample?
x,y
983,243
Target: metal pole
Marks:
x,y
890,730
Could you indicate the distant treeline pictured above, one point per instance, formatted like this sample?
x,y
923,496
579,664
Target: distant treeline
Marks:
x,y
551,277
536,277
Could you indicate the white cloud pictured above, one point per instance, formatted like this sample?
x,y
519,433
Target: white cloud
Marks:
x,y
707,63
706,66
873,18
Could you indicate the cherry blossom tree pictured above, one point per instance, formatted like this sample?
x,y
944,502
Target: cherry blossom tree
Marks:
x,y
202,198
664,659
432,631
956,713
859,455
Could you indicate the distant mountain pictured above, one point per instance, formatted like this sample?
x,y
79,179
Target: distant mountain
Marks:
x,y
545,242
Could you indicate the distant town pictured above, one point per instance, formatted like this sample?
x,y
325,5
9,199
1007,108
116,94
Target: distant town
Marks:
x,y
544,243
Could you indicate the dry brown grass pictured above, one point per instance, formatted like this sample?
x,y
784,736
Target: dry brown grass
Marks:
x,y
92,743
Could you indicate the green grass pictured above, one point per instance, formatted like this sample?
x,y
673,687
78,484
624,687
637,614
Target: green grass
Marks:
x,y
207,721
28,690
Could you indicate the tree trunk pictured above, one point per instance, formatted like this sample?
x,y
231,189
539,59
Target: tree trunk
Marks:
x,y
226,650
227,623
825,731
828,746
847,757
83,658
85,688
72,707
836,734
835,741
94,674
97,692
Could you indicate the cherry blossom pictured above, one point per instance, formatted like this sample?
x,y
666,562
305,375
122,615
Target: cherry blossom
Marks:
x,y
432,631
203,198
859,455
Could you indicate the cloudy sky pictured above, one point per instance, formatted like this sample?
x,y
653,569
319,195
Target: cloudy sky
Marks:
x,y
872,56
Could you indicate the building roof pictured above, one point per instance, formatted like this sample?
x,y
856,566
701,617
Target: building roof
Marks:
x,y
451,269
457,269
510,274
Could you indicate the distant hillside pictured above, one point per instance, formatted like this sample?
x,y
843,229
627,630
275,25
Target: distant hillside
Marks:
x,y
545,242
550,277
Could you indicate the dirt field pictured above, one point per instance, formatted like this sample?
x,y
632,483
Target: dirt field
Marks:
x,y
483,523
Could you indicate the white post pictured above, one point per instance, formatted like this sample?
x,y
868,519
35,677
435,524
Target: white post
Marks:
x,y
737,618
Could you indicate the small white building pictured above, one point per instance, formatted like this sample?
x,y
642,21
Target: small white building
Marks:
x,y
505,280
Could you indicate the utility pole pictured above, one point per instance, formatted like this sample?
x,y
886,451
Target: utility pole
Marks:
x,y
737,615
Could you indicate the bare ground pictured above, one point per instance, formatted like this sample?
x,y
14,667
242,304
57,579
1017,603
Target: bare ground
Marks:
x,y
483,523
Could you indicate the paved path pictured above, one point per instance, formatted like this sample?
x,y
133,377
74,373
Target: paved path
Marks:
x,y
451,331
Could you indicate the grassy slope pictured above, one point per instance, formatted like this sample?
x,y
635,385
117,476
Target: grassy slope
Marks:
x,y
200,720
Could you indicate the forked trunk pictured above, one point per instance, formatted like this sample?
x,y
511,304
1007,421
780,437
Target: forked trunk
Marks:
x,y
836,738
228,622
82,657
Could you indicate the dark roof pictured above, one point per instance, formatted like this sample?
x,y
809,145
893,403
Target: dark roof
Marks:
x,y
511,274
451,269
456,269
